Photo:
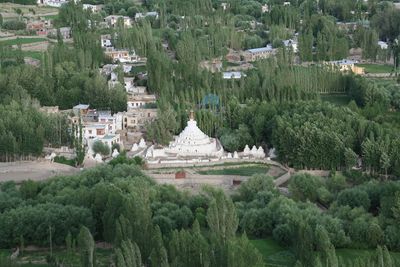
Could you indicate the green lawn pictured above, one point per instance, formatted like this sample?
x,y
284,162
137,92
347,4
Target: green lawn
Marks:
x,y
376,68
274,255
337,99
21,41
241,171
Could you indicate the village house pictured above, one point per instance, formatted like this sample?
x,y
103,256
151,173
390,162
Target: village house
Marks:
x,y
139,16
49,109
140,101
38,27
113,20
109,140
346,65
232,75
52,3
80,109
259,53
264,8
93,8
291,44
109,68
135,120
106,40
224,6
64,31
122,56
383,45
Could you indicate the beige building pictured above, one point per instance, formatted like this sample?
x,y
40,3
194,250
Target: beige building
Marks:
x,y
113,20
346,65
140,101
259,53
135,120
123,56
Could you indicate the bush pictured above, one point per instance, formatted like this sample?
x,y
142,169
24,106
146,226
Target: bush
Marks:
x,y
99,147
64,160
304,187
14,25
354,198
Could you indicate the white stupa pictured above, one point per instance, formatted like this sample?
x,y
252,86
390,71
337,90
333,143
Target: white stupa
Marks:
x,y
98,158
235,155
142,143
134,147
246,150
192,142
115,153
260,152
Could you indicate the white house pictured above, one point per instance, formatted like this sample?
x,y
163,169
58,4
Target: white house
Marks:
x,y
122,56
93,8
140,101
228,75
52,3
105,40
139,16
292,44
383,45
264,8
113,19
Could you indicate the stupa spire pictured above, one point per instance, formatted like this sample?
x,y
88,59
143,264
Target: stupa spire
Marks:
x,y
191,115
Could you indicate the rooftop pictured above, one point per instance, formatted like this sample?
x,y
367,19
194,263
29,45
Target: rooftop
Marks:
x,y
81,106
268,48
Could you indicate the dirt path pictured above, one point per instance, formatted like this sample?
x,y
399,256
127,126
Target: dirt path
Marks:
x,y
34,170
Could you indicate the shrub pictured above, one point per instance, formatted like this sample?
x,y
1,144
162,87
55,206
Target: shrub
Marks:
x,y
14,25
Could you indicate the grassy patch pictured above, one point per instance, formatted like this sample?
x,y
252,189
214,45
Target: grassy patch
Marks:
x,y
278,256
376,68
38,258
352,254
273,253
33,54
337,99
241,171
21,41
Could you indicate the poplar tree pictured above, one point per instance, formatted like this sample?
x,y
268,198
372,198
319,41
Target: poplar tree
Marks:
x,y
86,247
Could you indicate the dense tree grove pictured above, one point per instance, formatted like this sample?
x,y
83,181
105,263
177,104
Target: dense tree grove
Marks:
x,y
158,225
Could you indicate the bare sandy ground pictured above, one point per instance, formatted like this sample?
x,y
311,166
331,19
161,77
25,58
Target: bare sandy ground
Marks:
x,y
34,170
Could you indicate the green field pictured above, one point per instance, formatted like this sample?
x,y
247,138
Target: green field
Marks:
x,y
241,171
273,253
376,68
336,99
22,41
278,256
33,54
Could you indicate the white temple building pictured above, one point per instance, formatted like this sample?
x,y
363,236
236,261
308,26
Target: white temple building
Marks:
x,y
190,143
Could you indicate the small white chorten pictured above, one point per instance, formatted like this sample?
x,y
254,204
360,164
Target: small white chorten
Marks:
x,y
98,158
142,143
260,152
134,147
115,153
235,155
246,150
